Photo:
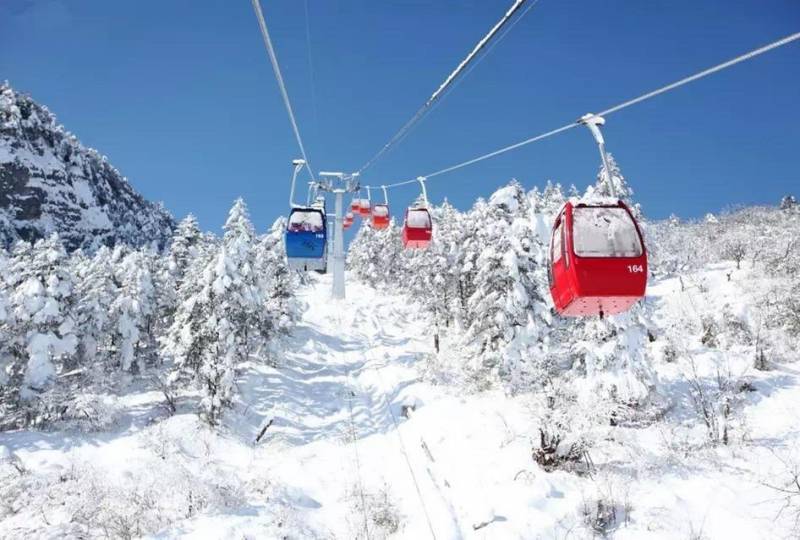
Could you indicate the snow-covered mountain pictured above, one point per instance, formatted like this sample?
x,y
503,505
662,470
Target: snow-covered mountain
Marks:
x,y
51,183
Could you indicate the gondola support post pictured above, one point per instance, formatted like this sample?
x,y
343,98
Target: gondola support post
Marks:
x,y
593,122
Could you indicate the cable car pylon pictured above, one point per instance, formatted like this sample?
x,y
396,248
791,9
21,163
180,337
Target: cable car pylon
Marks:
x,y
347,184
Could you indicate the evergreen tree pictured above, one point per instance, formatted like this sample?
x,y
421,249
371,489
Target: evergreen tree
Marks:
x,y
170,271
133,311
276,278
39,319
95,291
4,325
437,270
622,191
378,257
506,297
222,319
365,254
184,247
552,199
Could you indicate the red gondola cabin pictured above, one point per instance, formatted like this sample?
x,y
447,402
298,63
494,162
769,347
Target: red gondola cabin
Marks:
x,y
417,228
598,261
380,216
364,208
347,222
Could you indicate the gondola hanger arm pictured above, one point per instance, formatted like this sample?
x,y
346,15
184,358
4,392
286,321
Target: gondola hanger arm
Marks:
x,y
593,122
421,180
298,165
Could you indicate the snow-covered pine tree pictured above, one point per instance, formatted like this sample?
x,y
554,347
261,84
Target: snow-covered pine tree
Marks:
x,y
544,206
184,247
276,278
365,255
133,311
188,244
552,199
622,191
378,257
435,272
189,336
387,257
95,291
473,241
40,320
506,298
222,320
4,336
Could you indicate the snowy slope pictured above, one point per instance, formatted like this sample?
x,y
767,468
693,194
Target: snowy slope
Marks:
x,y
50,182
342,456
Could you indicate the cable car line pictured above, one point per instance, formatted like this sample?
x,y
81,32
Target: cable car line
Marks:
x,y
489,49
262,24
440,91
473,65
672,86
481,44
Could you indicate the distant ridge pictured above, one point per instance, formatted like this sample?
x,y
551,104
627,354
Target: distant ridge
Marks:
x,y
50,183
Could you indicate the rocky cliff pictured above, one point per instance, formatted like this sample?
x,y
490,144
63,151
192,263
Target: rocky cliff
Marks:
x,y
50,182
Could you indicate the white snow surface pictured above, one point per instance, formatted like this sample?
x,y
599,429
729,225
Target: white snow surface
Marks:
x,y
458,466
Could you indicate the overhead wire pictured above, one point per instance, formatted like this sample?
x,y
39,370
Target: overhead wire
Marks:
x,y
262,24
441,90
686,80
489,49
473,65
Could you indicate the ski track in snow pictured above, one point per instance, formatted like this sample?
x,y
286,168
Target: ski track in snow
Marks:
x,y
339,354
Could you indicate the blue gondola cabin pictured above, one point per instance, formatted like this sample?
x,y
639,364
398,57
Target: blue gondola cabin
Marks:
x,y
306,239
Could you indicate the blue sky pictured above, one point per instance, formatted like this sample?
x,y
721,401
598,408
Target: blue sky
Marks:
x,y
180,95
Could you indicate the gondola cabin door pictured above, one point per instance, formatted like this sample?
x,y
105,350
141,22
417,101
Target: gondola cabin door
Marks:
x,y
560,286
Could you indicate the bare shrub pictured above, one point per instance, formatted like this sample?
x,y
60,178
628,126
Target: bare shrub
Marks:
x,y
710,332
788,489
715,404
735,250
381,511
88,413
94,503
735,329
606,510
565,432
760,361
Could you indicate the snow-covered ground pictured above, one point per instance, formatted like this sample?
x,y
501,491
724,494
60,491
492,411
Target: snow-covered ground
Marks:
x,y
361,443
